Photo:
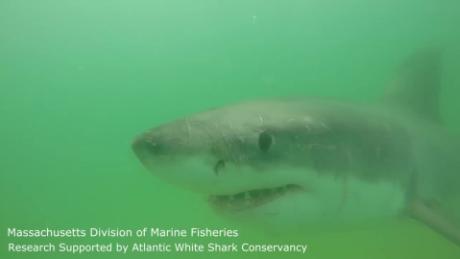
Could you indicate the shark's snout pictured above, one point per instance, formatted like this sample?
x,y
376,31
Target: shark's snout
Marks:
x,y
145,148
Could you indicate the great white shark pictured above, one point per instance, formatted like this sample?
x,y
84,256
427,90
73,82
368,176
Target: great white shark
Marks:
x,y
320,161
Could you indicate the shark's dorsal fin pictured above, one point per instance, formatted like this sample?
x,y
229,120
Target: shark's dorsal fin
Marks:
x,y
417,85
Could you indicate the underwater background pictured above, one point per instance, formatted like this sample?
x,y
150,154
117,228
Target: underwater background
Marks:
x,y
79,79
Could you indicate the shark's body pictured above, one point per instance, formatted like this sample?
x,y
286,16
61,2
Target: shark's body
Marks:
x,y
318,161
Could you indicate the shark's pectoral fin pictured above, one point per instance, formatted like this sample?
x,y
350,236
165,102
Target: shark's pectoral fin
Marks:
x,y
433,217
429,212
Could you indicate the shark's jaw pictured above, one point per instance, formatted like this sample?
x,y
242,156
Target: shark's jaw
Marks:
x,y
233,189
251,199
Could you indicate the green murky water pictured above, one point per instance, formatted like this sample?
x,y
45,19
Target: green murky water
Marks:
x,y
79,79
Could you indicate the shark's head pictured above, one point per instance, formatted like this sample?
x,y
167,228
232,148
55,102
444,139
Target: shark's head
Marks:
x,y
266,158
226,151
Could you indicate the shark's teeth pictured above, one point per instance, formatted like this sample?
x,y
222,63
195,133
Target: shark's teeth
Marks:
x,y
251,198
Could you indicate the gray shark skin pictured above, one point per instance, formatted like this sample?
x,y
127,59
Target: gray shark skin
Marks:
x,y
312,161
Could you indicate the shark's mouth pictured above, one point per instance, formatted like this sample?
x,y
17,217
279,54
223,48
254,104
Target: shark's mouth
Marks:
x,y
251,199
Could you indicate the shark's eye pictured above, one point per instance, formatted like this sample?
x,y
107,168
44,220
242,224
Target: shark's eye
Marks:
x,y
218,166
265,141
